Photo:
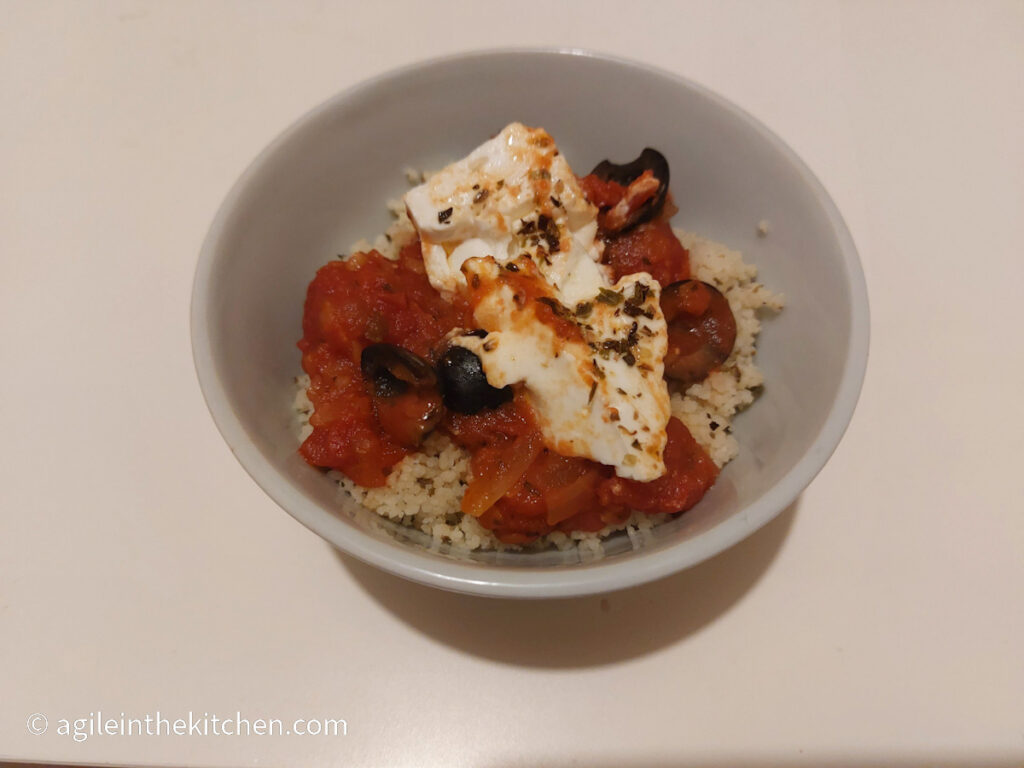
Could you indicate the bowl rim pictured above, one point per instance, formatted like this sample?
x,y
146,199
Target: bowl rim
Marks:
x,y
541,582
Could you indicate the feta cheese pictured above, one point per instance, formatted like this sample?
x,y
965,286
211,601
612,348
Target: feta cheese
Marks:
x,y
513,207
513,195
597,392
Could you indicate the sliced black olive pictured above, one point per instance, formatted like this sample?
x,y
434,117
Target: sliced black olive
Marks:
x,y
393,370
464,385
404,390
650,160
701,330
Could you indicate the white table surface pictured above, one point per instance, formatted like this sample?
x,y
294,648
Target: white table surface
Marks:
x,y
879,620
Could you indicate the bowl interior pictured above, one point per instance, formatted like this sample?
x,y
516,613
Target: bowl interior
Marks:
x,y
324,184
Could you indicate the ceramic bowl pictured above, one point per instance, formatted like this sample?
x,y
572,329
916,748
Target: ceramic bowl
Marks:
x,y
323,184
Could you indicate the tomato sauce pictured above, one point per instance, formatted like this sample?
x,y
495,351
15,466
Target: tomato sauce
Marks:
x,y
604,193
547,492
367,298
350,305
650,247
520,489
345,434
560,493
689,474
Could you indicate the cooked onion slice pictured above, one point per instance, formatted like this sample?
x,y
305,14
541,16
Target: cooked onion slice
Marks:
x,y
504,466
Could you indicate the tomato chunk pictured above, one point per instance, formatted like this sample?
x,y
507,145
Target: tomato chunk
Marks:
x,y
690,472
350,305
651,247
520,490
604,193
368,298
345,433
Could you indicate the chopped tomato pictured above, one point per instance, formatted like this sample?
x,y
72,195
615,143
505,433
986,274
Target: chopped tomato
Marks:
x,y
409,417
600,192
345,433
689,474
650,247
473,431
349,305
519,490
367,298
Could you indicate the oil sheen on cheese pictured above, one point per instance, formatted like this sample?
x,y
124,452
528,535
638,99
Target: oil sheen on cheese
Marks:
x,y
512,215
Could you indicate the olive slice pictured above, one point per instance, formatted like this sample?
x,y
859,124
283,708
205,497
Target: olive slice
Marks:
x,y
404,390
701,330
629,176
392,370
464,385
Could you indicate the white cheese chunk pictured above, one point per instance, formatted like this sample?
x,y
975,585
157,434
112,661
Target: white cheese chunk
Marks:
x,y
513,195
598,393
595,385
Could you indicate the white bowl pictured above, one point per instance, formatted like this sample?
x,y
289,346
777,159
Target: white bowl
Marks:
x,y
323,184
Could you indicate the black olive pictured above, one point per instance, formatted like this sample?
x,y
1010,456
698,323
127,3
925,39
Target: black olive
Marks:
x,y
393,370
403,385
650,160
464,386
